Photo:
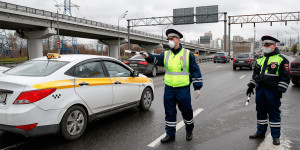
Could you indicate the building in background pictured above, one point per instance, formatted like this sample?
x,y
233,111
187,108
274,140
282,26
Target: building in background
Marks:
x,y
237,39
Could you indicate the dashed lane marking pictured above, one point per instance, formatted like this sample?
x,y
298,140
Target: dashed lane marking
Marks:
x,y
178,126
242,76
267,144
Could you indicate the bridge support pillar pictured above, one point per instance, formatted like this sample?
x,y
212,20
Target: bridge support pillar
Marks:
x,y
34,41
150,48
114,50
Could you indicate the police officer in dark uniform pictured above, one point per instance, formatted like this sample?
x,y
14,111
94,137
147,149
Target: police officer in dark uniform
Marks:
x,y
181,70
271,78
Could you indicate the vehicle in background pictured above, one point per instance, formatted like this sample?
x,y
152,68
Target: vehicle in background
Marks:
x,y
138,63
231,57
242,47
221,57
295,71
243,60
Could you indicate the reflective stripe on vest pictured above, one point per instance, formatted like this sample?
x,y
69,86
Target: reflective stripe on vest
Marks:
x,y
177,70
275,58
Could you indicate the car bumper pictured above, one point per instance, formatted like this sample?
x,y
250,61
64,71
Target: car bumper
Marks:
x,y
37,131
242,65
295,74
26,114
220,60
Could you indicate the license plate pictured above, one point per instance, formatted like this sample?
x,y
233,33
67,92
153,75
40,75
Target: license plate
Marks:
x,y
133,65
2,98
241,61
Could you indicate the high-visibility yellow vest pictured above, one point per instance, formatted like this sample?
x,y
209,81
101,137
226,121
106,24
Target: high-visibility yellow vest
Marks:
x,y
177,68
271,63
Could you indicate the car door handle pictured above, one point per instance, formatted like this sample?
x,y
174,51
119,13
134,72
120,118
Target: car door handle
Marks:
x,y
118,82
83,83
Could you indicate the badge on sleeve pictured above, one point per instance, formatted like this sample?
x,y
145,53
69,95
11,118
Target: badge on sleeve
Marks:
x,y
181,57
286,67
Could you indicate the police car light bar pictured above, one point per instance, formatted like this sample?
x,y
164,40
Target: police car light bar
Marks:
x,y
132,52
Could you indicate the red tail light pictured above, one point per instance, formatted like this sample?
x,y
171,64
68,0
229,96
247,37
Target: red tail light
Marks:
x,y
293,63
291,72
126,62
143,63
223,56
27,127
215,56
233,59
33,96
249,60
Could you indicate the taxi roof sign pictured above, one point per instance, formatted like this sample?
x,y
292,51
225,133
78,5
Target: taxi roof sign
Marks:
x,y
53,56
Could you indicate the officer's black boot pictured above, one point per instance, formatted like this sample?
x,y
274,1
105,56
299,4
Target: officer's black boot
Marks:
x,y
189,136
276,141
167,139
257,136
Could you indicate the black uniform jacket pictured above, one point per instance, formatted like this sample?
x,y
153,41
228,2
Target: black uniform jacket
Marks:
x,y
271,80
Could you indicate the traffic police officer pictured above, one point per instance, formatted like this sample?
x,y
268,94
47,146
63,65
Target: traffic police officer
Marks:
x,y
181,70
271,78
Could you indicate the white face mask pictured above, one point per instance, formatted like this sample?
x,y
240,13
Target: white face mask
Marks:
x,y
171,44
267,50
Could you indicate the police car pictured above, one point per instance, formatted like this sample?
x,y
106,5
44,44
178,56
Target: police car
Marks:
x,y
62,93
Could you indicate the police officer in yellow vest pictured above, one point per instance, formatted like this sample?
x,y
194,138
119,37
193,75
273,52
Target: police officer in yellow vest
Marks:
x,y
271,78
181,70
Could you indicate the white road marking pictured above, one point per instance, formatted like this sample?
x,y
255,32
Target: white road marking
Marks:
x,y
219,66
178,126
268,144
242,76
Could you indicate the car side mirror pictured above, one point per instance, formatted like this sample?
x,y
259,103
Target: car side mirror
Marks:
x,y
135,73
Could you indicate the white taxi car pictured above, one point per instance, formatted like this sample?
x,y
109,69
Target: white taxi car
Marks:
x,y
62,93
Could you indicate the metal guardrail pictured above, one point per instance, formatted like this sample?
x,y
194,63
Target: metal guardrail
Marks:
x,y
204,59
40,12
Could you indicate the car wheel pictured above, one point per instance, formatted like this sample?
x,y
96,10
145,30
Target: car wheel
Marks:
x,y
73,123
214,61
146,99
234,67
295,81
241,68
154,72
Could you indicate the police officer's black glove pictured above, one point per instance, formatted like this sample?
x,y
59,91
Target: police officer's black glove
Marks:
x,y
250,91
278,94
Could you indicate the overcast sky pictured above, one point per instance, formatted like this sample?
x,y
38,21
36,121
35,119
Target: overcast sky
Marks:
x,y
108,11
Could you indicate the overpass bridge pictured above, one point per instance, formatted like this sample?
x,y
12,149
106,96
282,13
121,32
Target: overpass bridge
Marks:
x,y
35,24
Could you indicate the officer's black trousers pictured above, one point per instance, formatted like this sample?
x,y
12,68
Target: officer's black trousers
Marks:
x,y
182,97
267,106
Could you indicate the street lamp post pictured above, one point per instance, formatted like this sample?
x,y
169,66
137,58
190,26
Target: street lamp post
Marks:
x,y
162,36
298,33
121,17
185,35
58,39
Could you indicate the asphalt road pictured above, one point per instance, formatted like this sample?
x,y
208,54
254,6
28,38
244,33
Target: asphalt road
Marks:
x,y
222,121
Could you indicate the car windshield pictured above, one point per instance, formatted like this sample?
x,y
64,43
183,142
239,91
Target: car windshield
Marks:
x,y
136,57
242,55
36,68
